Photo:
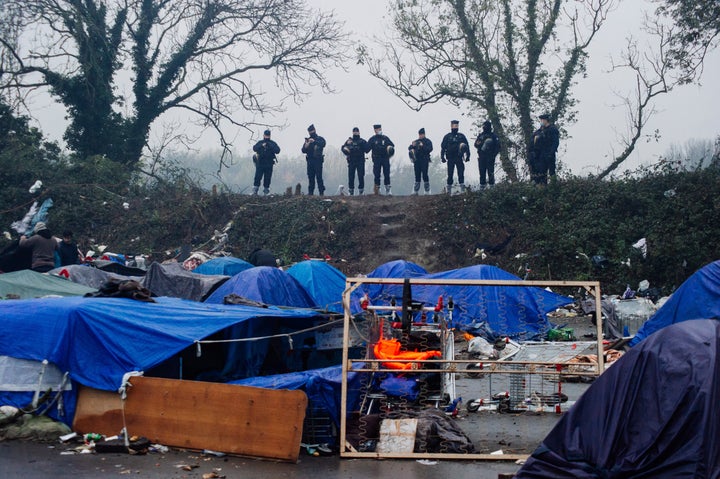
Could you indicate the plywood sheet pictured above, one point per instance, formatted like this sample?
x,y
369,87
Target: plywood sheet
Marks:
x,y
98,411
221,417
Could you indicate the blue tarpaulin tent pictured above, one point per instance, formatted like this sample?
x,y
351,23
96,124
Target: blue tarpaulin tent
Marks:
x,y
98,340
325,285
392,269
264,284
225,265
653,414
515,311
697,298
321,385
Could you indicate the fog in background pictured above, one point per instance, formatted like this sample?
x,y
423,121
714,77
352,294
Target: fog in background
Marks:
x,y
690,112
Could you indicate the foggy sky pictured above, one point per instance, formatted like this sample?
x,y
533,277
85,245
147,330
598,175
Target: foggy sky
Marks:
x,y
690,112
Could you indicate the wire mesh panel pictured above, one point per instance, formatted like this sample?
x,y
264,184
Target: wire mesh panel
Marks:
x,y
454,374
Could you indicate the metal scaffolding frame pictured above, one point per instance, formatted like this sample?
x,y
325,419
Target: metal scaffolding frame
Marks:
x,y
451,366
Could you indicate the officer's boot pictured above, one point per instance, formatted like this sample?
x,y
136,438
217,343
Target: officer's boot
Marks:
x,y
266,191
376,190
352,191
427,188
360,192
255,190
416,188
387,190
462,188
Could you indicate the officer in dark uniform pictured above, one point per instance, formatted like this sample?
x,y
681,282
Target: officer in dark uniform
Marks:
x,y
265,157
419,152
382,149
545,142
488,147
354,150
313,149
453,150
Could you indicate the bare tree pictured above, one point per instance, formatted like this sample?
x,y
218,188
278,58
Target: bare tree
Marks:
x,y
698,32
505,60
655,74
216,59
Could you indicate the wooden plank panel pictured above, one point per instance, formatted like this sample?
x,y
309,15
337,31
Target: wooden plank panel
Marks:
x,y
222,417
98,411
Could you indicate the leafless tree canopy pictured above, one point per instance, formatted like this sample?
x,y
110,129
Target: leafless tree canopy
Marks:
x,y
506,60
215,58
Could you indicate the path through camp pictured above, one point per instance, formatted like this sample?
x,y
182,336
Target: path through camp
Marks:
x,y
29,460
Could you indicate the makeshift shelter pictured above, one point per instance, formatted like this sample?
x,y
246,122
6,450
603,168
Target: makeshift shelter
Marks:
x,y
266,285
322,387
224,265
392,269
26,284
324,284
652,414
100,340
698,297
113,265
516,311
173,280
89,276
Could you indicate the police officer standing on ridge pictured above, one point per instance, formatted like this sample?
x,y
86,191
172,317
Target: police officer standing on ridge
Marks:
x,y
488,146
354,150
453,150
313,149
264,158
382,149
419,152
545,143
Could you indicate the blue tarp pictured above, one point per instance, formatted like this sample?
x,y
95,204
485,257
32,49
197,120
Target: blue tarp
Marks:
x,y
698,297
225,265
514,311
98,340
653,414
264,284
321,385
392,269
325,285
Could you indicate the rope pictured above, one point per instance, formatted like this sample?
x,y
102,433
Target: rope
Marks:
x,y
289,336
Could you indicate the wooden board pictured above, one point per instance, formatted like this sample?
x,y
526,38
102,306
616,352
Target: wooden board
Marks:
x,y
221,417
98,411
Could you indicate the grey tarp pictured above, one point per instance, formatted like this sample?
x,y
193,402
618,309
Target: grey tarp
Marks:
x,y
173,280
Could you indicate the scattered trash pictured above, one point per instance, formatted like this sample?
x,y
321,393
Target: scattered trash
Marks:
x,y
35,187
427,462
499,452
520,462
629,293
599,261
632,313
561,334
670,193
159,448
641,245
212,475
208,452
92,437
187,467
67,437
